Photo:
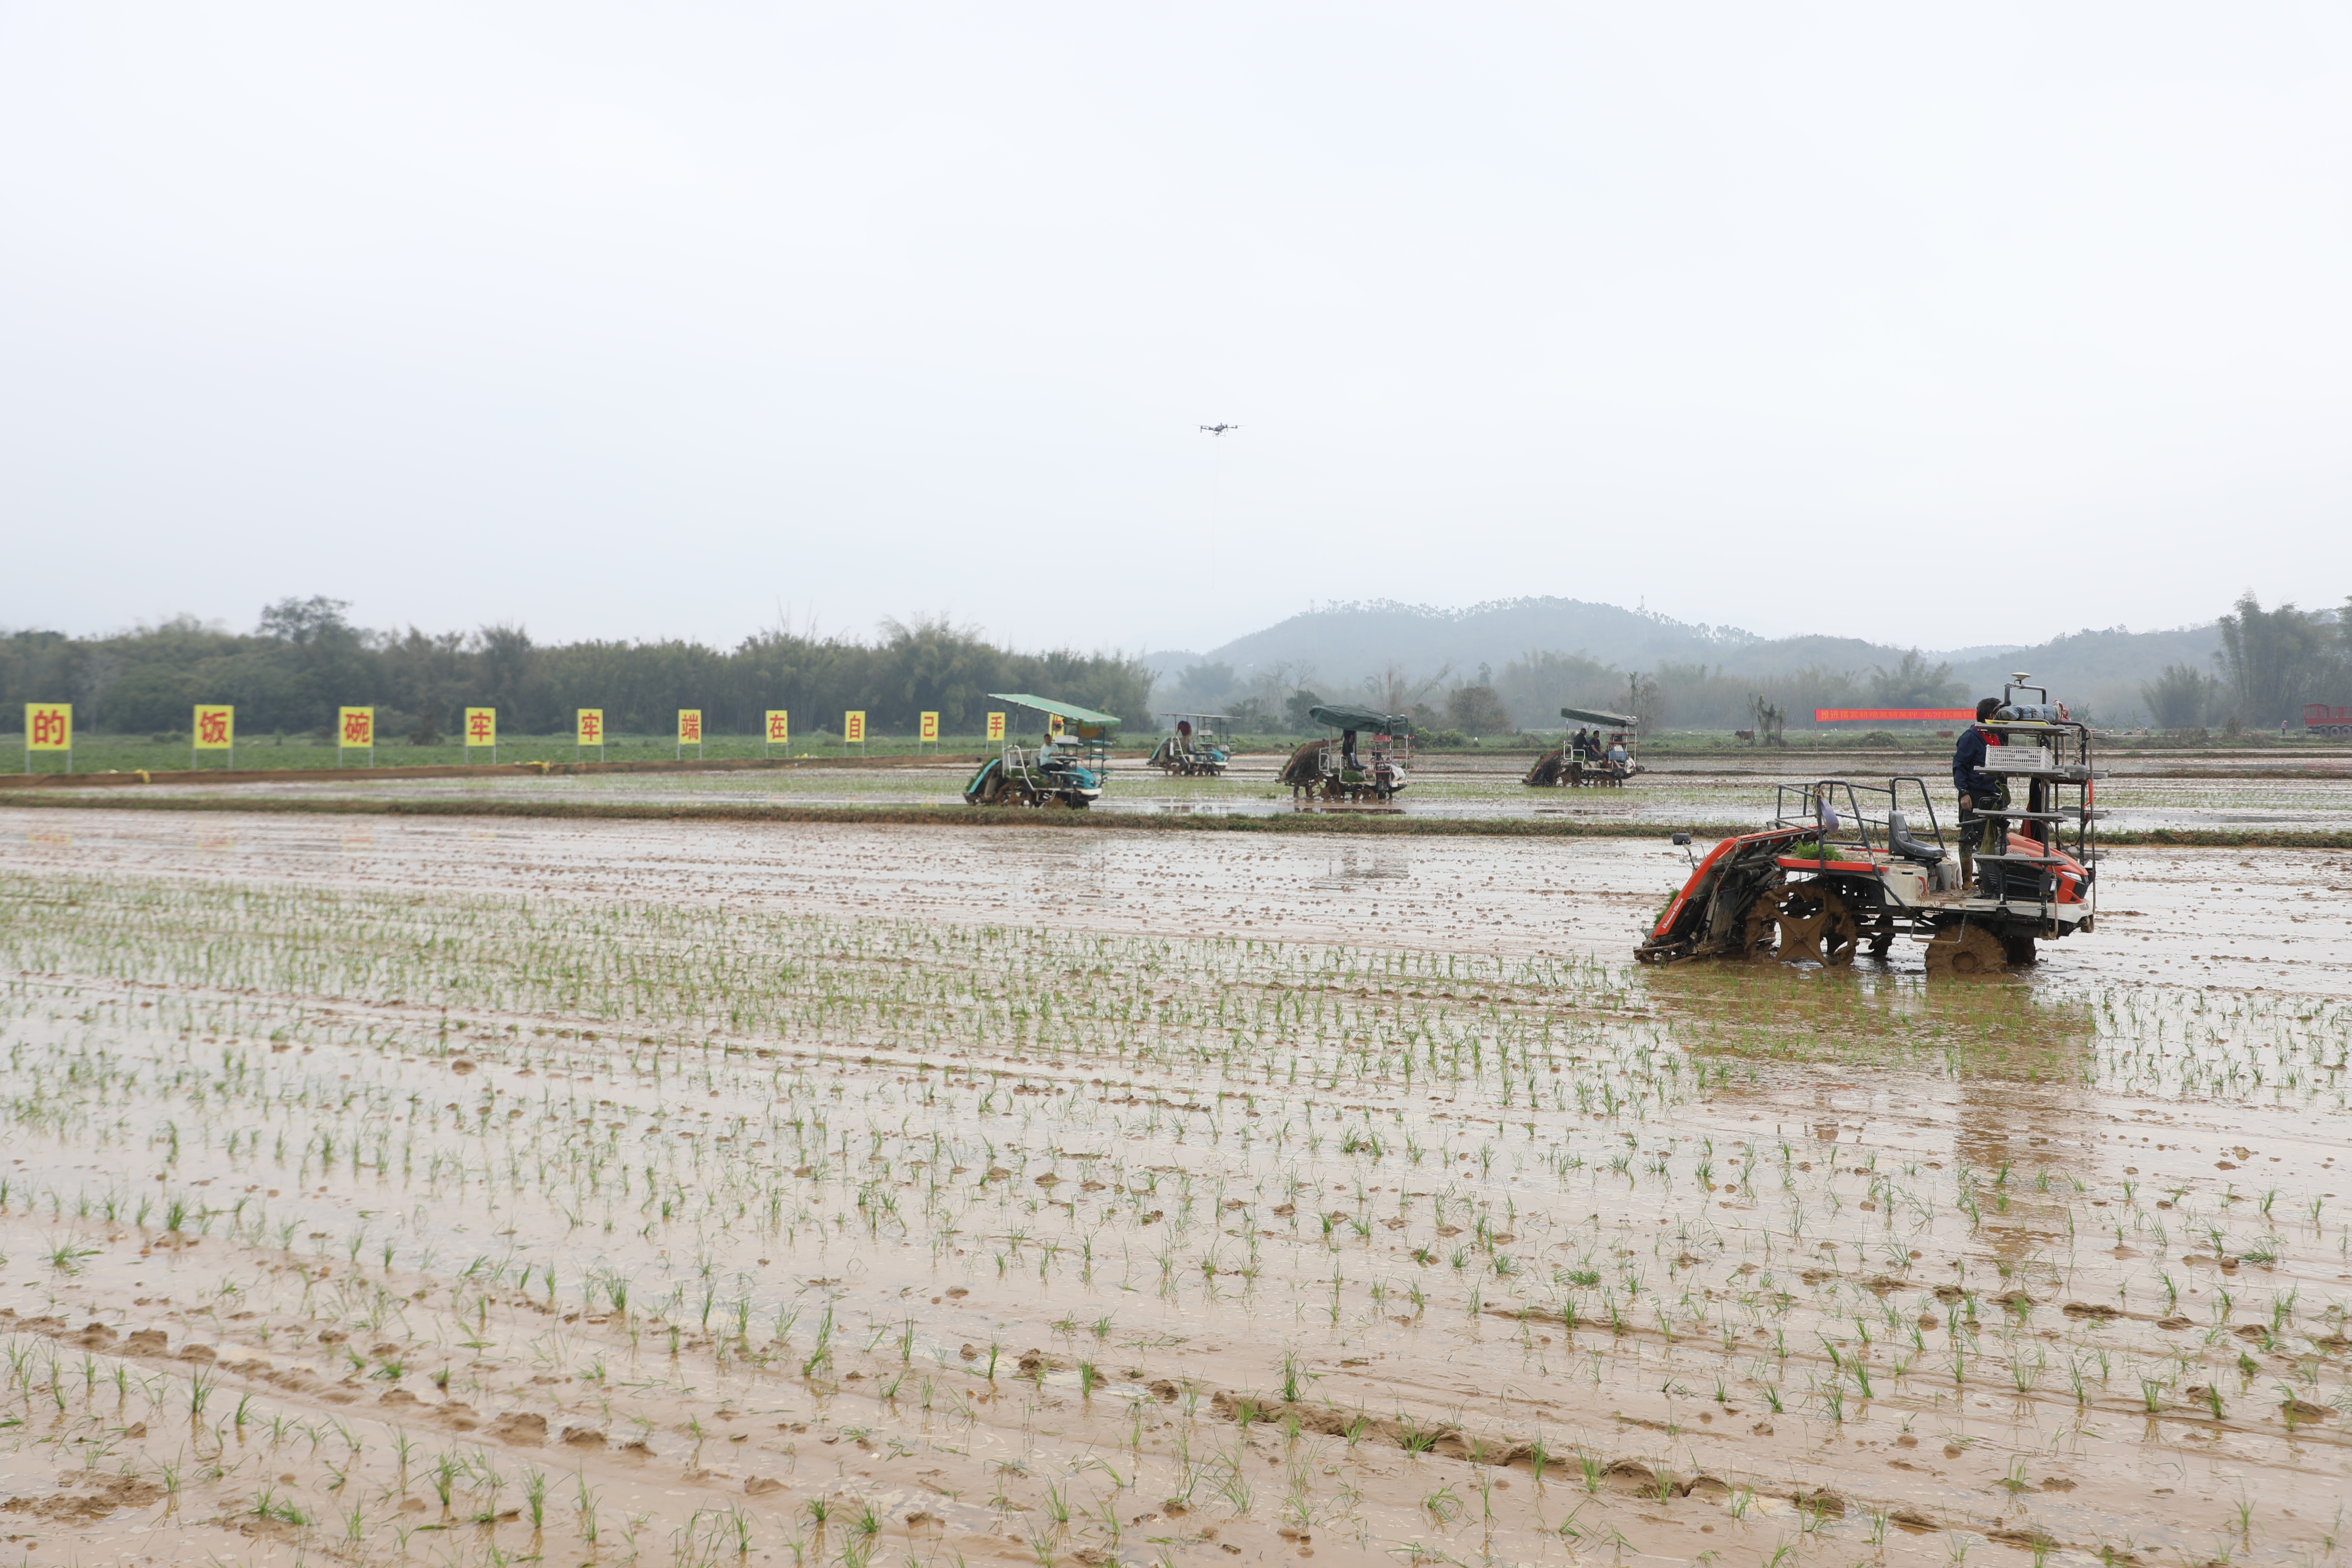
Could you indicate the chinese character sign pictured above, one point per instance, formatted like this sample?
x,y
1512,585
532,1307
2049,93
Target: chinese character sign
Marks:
x,y
996,726
356,727
853,728
930,730
49,726
689,726
780,727
481,726
1054,722
588,727
216,728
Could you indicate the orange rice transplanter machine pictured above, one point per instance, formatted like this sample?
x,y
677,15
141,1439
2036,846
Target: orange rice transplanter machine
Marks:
x,y
1845,865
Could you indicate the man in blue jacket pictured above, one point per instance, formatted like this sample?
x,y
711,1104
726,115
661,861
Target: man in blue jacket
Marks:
x,y
1979,791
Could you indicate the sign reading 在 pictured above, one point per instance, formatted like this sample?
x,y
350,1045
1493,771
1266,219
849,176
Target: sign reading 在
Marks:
x,y
996,726
931,730
780,727
853,727
216,728
49,726
588,727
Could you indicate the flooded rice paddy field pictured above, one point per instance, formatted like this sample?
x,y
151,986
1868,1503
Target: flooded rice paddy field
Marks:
x,y
2315,794
380,1190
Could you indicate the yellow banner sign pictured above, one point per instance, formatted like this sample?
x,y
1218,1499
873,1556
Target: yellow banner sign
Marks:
x,y
588,726
853,728
216,728
355,727
996,726
930,730
1054,722
780,727
689,726
481,726
49,726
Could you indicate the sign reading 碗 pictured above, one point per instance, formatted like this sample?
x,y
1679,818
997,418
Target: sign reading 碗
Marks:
x,y
355,727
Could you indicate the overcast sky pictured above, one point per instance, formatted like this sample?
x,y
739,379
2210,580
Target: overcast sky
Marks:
x,y
1948,325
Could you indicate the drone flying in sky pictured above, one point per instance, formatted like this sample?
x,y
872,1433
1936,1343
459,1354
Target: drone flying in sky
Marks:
x,y
1219,430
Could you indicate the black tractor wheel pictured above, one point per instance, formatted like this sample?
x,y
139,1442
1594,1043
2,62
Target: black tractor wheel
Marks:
x,y
1966,949
1815,924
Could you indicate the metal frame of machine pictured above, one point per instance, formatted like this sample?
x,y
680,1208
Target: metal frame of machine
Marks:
x,y
1829,874
1191,748
1555,767
1062,770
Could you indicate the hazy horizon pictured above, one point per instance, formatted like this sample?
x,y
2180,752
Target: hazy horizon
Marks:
x,y
637,324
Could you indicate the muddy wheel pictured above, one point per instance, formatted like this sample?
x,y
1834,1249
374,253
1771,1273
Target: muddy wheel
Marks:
x,y
1965,949
1815,924
2018,950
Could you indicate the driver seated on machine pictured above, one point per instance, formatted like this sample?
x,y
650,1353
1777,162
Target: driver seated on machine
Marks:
x,y
1979,791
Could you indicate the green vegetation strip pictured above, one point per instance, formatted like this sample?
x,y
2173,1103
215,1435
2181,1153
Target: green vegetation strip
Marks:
x,y
969,816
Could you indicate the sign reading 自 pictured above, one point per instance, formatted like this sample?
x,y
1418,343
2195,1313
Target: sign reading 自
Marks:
x,y
216,728
853,728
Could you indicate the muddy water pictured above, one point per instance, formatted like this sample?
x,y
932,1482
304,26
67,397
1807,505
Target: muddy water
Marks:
x,y
2280,920
736,1182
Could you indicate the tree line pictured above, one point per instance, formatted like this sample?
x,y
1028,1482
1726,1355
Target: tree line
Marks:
x,y
304,660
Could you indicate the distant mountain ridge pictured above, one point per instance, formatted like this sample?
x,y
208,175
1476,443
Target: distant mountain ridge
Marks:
x,y
1343,643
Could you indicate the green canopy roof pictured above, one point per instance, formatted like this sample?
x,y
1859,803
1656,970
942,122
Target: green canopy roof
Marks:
x,y
1340,718
1602,716
1047,705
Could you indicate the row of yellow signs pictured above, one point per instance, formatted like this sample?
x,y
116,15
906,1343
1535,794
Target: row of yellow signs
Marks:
x,y
49,727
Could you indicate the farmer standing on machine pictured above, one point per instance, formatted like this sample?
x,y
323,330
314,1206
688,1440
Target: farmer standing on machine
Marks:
x,y
1979,791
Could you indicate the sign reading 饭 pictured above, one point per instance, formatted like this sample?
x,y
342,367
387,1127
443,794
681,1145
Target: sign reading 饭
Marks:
x,y
214,731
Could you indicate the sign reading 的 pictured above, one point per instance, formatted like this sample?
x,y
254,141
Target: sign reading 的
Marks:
x,y
49,726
